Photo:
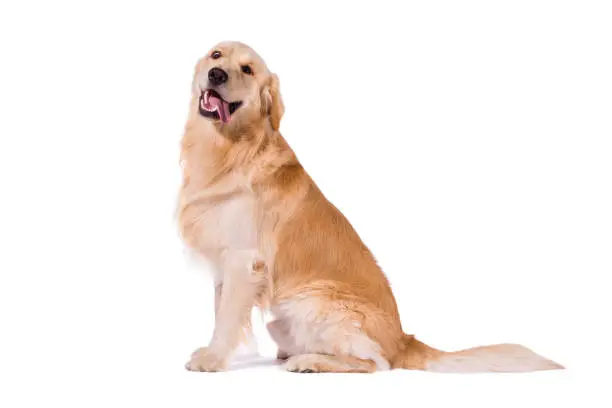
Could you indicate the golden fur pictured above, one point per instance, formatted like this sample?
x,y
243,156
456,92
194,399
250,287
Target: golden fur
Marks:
x,y
247,204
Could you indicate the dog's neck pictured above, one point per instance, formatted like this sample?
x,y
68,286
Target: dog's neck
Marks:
x,y
210,149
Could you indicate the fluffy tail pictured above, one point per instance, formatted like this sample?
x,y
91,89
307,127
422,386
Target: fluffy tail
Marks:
x,y
496,358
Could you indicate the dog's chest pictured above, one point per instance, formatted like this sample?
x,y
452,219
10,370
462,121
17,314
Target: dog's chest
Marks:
x,y
229,224
219,221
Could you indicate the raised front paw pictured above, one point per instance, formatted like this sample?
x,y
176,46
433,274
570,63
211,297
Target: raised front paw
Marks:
x,y
204,360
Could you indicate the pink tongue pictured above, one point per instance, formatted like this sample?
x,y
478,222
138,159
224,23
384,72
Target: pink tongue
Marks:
x,y
222,108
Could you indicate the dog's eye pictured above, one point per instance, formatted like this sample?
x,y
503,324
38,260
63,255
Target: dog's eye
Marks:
x,y
246,69
215,54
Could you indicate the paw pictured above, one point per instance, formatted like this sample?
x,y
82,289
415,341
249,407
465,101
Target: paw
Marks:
x,y
282,355
204,360
299,364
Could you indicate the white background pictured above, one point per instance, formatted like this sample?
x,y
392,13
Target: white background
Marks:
x,y
468,142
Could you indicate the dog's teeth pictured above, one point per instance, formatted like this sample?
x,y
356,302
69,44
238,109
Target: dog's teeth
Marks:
x,y
205,102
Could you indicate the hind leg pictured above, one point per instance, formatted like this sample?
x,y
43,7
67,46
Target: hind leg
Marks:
x,y
313,363
321,363
326,336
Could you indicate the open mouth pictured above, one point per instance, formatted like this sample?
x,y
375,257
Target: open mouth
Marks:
x,y
214,107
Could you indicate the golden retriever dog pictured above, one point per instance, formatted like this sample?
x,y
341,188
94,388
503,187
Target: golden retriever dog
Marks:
x,y
248,206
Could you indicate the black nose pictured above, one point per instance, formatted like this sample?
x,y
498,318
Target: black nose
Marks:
x,y
217,76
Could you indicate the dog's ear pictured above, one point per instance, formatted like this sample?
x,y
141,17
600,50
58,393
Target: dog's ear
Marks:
x,y
273,102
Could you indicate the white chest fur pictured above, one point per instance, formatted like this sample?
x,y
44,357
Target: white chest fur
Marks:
x,y
230,224
218,209
224,224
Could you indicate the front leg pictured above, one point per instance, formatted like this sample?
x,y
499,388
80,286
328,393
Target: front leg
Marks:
x,y
218,291
234,300
248,346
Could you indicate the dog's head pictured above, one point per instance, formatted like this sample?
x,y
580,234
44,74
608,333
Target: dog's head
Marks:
x,y
233,87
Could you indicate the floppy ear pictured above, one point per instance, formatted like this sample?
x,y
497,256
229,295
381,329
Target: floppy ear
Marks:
x,y
273,102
